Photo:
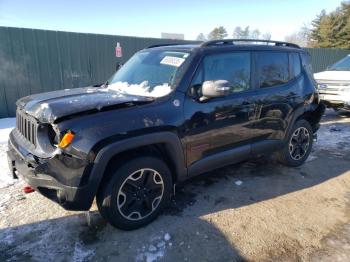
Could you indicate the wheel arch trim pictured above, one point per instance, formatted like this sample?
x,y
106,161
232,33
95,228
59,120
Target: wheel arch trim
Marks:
x,y
170,140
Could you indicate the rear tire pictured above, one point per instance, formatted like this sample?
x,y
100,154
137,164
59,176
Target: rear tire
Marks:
x,y
298,145
135,192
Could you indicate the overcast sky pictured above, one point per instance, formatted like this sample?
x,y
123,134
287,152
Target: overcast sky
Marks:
x,y
150,18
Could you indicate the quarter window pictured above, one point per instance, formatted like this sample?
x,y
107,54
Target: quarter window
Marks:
x,y
273,68
233,67
295,65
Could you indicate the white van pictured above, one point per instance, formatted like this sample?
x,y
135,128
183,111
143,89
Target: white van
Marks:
x,y
334,85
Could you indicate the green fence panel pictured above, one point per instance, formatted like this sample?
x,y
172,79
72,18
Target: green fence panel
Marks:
x,y
324,57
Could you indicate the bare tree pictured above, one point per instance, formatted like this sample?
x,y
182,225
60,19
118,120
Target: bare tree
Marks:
x,y
300,37
237,33
255,34
201,37
246,33
266,36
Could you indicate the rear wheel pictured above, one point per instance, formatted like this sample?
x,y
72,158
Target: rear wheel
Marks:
x,y
135,192
299,145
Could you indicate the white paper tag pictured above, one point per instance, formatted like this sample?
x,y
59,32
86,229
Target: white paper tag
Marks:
x,y
172,61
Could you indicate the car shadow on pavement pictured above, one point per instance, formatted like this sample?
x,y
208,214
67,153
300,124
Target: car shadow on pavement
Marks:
x,y
70,238
183,232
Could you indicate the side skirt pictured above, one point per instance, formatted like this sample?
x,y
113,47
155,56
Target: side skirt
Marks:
x,y
232,156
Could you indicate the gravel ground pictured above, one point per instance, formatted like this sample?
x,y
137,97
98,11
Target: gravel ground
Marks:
x,y
254,211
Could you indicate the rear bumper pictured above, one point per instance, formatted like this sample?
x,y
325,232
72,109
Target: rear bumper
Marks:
x,y
23,164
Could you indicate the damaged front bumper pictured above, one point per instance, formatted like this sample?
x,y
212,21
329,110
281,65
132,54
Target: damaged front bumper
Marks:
x,y
44,175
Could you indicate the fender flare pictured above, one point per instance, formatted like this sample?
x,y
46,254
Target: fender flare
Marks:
x,y
169,139
302,110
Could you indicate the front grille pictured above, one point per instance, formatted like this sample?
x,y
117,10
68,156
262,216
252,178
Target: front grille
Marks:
x,y
27,126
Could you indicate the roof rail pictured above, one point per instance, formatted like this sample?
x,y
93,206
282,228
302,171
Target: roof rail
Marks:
x,y
232,41
159,45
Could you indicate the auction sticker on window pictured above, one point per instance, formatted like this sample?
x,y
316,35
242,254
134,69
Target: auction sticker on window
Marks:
x,y
172,61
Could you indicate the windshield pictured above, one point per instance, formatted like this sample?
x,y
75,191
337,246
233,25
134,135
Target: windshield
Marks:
x,y
342,65
150,73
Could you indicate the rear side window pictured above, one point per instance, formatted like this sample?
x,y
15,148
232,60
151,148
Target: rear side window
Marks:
x,y
295,65
233,67
273,68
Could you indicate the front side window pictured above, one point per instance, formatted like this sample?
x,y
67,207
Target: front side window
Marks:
x,y
273,68
232,67
150,73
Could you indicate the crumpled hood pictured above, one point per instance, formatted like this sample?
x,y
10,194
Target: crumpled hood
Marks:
x,y
48,107
333,76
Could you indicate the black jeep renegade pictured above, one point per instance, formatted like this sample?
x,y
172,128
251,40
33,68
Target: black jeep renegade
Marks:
x,y
170,113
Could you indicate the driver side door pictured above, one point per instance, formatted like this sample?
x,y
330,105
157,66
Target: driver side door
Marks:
x,y
215,127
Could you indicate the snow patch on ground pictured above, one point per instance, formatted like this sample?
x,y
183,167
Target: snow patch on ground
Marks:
x,y
6,125
334,135
155,250
4,202
51,241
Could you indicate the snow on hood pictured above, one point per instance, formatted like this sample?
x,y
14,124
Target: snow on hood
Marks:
x,y
142,89
333,76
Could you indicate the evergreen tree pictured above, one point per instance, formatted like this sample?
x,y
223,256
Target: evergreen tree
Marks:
x,y
333,29
222,32
218,33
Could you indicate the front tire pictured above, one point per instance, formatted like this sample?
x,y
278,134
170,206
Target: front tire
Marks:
x,y
135,192
298,146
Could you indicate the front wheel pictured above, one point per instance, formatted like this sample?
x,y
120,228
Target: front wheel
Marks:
x,y
135,192
299,145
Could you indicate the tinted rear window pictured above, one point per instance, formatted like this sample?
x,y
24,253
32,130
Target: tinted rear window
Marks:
x,y
273,68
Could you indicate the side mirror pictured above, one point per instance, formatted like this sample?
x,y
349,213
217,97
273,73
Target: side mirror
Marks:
x,y
218,88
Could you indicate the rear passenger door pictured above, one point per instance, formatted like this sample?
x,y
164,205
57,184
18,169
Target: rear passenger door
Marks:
x,y
278,83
